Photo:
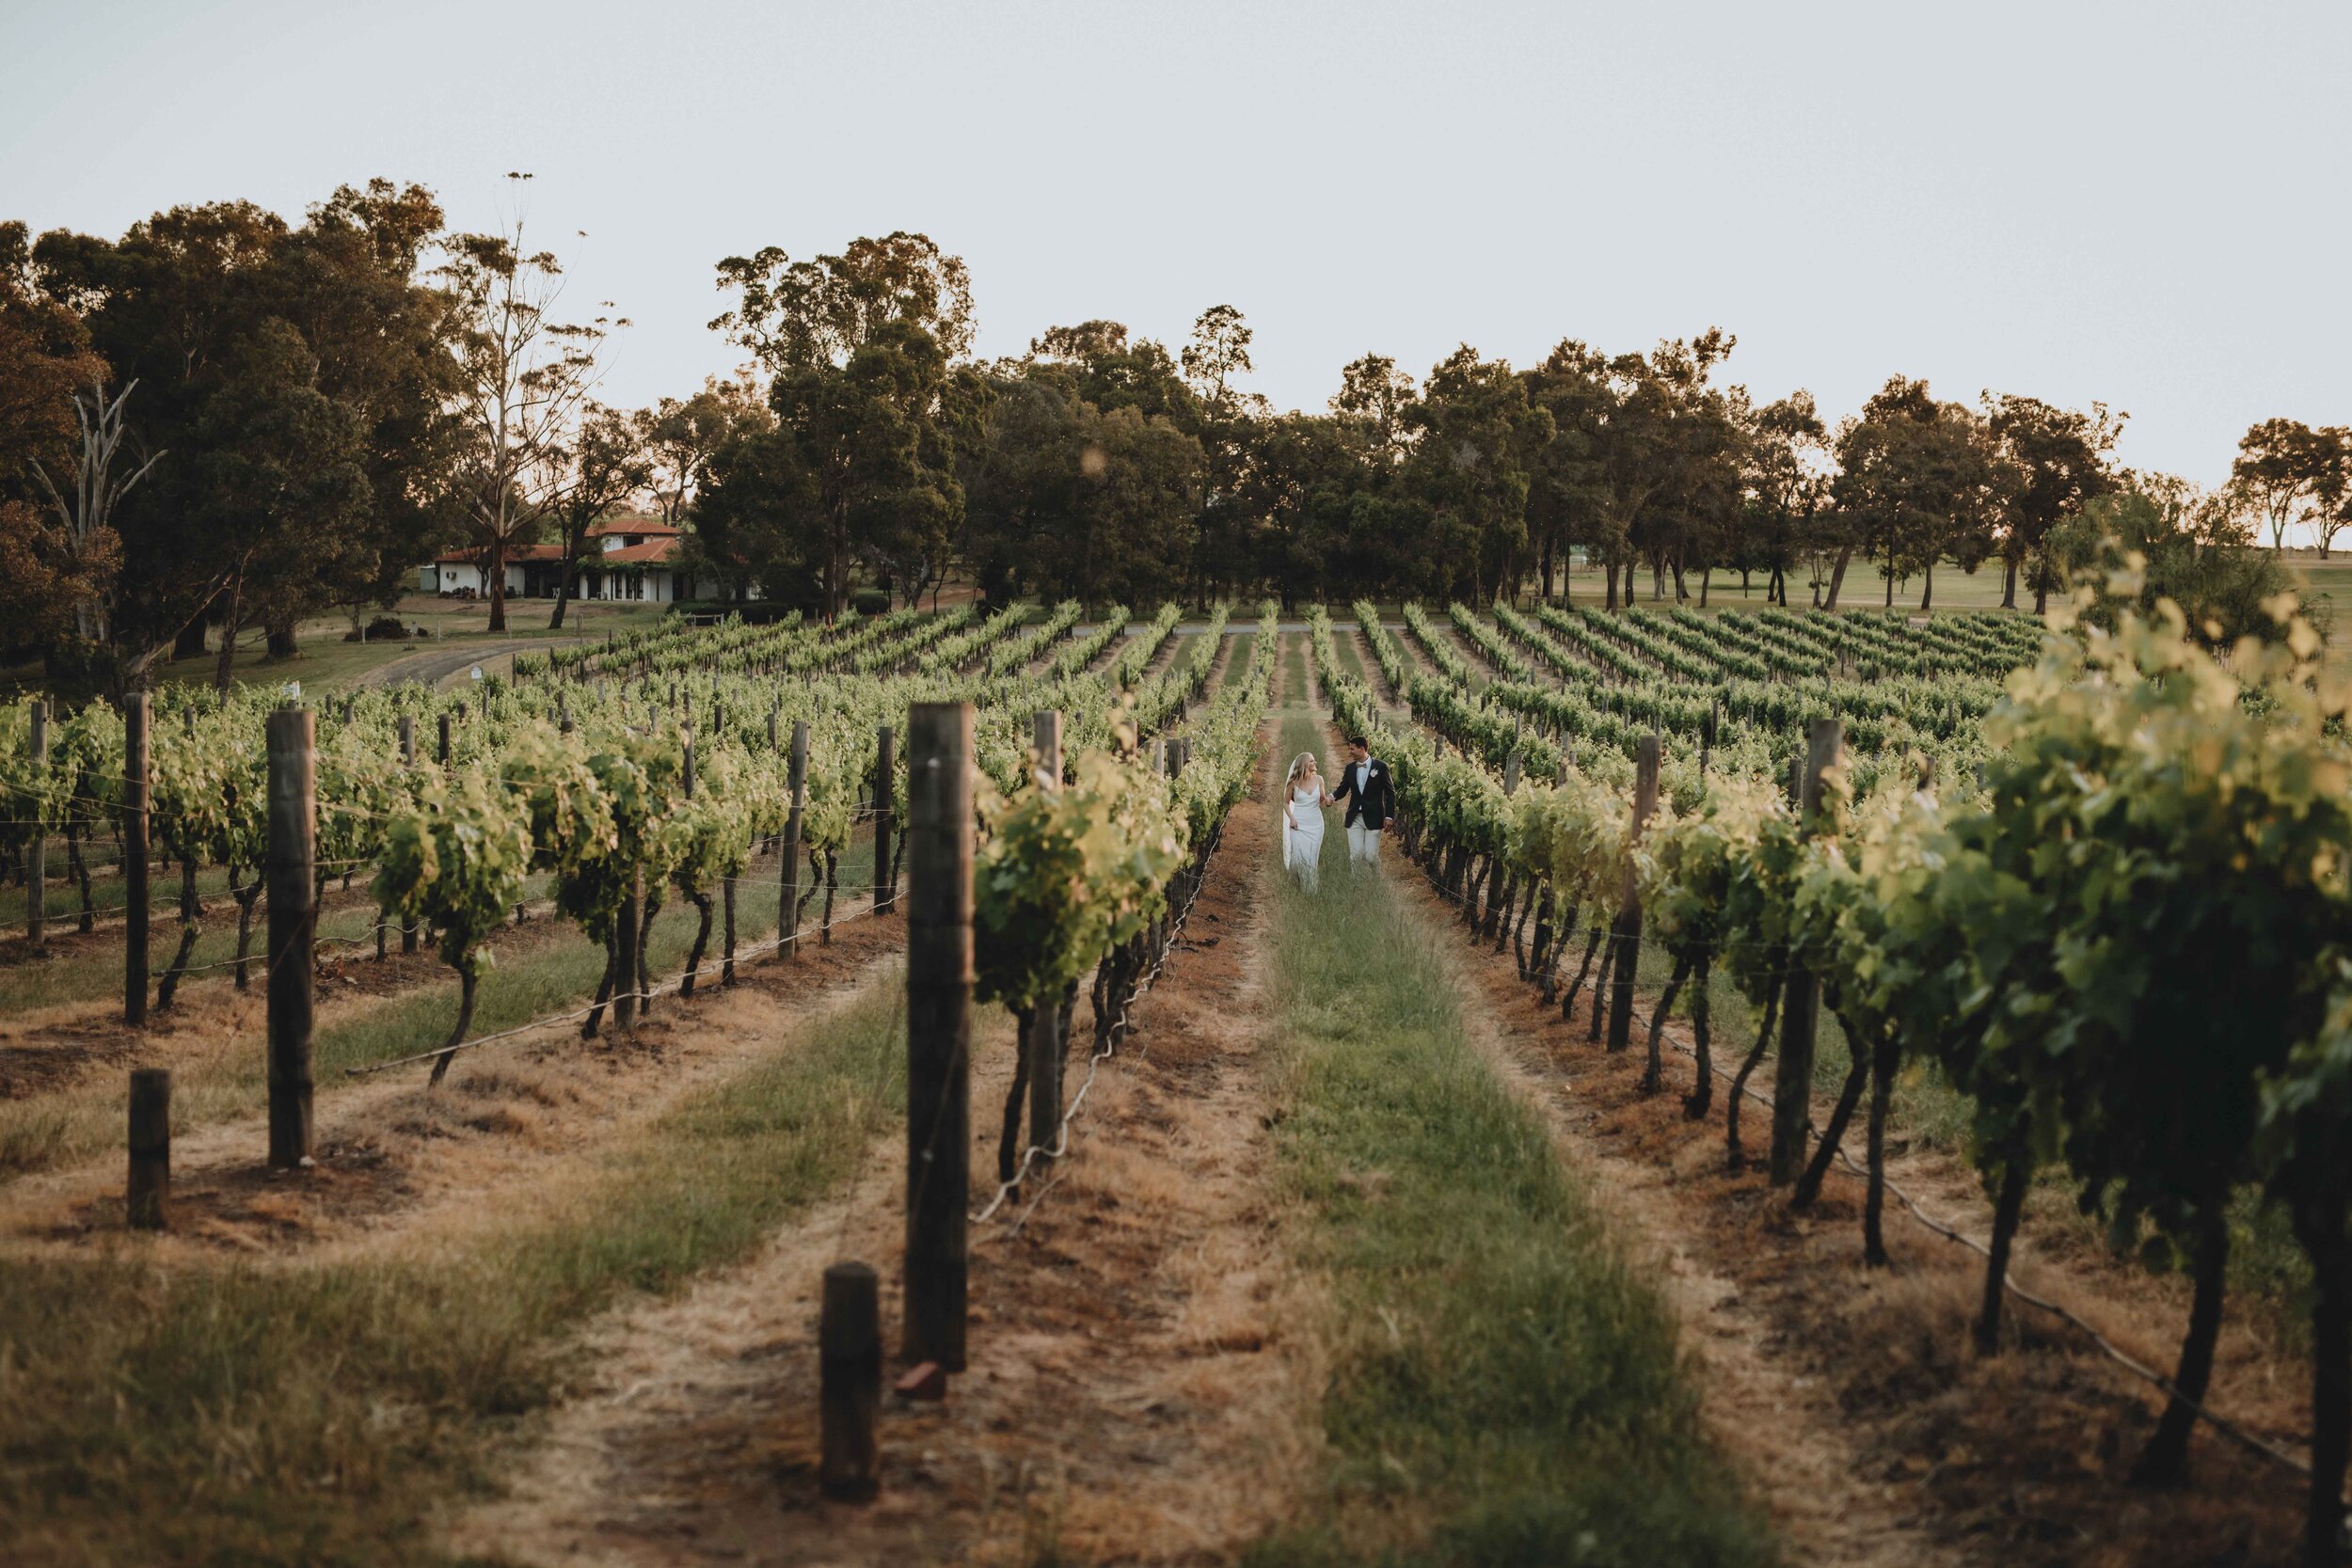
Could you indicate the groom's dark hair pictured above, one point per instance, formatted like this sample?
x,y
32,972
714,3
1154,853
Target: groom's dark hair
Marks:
x,y
1358,741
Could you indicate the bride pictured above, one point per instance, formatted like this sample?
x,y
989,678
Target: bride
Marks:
x,y
1303,800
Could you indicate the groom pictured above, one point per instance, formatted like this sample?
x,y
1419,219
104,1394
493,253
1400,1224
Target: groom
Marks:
x,y
1370,803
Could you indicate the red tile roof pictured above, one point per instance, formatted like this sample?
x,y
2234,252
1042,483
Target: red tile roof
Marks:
x,y
651,551
662,542
514,555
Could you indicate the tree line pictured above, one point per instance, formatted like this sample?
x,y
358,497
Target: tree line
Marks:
x,y
224,421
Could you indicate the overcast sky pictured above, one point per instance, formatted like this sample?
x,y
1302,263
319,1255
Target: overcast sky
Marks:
x,y
2142,205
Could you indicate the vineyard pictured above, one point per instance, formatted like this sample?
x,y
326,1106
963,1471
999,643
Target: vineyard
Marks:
x,y
500,1055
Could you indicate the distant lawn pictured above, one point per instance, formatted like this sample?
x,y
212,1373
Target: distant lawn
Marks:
x,y
327,662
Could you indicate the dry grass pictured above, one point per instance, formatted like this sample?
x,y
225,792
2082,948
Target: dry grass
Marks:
x,y
318,1414
1504,1387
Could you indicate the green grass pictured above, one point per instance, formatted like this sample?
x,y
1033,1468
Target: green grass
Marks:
x,y
1294,665
1352,662
318,1415
75,1123
1237,663
324,661
1503,1387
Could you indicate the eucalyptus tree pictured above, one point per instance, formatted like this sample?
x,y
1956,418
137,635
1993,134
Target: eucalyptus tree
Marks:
x,y
680,437
1071,499
231,321
794,314
1476,439
601,467
1787,466
1226,423
2283,467
50,573
1919,480
2060,457
873,410
524,379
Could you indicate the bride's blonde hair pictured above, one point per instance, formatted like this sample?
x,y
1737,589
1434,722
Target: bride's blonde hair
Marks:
x,y
1299,764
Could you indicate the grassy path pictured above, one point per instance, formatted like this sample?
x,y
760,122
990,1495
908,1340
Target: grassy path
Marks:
x,y
1501,1388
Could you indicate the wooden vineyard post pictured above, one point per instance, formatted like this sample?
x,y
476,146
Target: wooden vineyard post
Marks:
x,y
1800,1009
628,934
36,844
848,1353
788,911
1627,936
407,759
1511,765
135,711
939,1029
1045,1042
146,1197
726,894
1166,924
293,895
885,818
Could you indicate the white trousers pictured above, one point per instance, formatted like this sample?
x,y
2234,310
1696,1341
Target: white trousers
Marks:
x,y
1363,846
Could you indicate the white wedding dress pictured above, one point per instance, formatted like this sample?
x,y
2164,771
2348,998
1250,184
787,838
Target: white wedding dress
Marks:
x,y
1302,836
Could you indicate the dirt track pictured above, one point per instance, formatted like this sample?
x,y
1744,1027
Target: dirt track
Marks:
x,y
1135,1388
1850,1397
431,667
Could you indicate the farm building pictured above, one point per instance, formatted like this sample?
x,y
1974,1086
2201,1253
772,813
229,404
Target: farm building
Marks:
x,y
633,558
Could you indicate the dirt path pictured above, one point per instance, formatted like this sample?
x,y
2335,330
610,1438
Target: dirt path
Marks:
x,y
434,666
1109,651
1850,1397
1135,1391
1163,659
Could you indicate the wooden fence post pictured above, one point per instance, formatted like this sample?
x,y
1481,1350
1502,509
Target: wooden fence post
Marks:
x,y
1800,1009
628,932
1511,774
1045,1040
36,843
407,759
788,911
441,755
939,1029
146,1198
135,711
292,926
885,818
848,1360
1627,933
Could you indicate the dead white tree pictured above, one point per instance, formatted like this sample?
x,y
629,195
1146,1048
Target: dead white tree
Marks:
x,y
87,508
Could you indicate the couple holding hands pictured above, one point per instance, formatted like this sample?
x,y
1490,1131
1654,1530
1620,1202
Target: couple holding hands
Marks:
x,y
1371,807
